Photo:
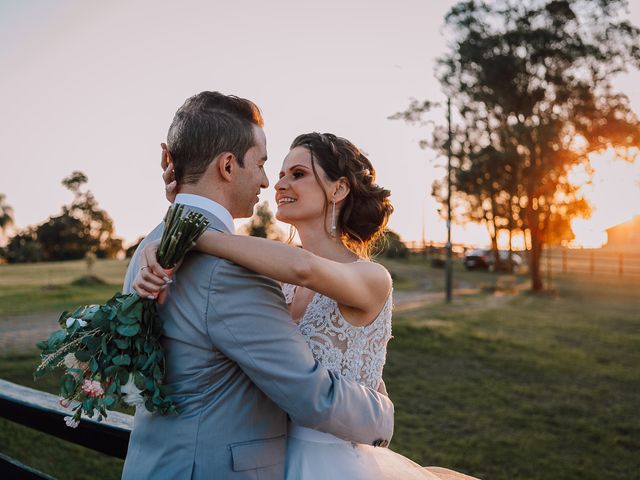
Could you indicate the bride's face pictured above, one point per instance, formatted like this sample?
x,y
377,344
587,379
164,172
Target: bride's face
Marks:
x,y
299,196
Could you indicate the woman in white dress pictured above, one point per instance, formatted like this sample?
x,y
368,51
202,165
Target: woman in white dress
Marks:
x,y
341,301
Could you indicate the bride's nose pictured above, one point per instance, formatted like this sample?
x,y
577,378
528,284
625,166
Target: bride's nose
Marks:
x,y
280,185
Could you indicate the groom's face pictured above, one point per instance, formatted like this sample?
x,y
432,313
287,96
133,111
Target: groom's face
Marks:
x,y
252,178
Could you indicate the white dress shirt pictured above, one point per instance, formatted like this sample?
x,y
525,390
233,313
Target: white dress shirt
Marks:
x,y
209,205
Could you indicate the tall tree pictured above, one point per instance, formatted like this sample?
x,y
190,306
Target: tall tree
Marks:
x,y
263,224
531,81
97,221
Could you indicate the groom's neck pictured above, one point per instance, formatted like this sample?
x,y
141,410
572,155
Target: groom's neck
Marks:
x,y
217,195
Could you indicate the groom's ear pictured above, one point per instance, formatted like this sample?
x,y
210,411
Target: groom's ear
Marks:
x,y
227,164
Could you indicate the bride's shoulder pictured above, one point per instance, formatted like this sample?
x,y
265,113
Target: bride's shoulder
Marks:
x,y
374,274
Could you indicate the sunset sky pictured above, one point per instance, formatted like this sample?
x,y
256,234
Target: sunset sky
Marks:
x,y
93,86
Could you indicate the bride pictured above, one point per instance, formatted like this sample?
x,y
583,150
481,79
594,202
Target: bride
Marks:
x,y
340,300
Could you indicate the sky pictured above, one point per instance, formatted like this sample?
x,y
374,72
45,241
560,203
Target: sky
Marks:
x,y
93,86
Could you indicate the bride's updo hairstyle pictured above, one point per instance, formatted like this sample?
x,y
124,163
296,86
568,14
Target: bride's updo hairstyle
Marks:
x,y
366,209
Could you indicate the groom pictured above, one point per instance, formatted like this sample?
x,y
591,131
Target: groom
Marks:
x,y
237,362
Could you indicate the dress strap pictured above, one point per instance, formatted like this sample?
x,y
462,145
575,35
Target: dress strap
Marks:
x,y
288,291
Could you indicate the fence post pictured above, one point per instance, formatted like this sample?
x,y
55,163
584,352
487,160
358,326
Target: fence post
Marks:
x,y
591,263
548,268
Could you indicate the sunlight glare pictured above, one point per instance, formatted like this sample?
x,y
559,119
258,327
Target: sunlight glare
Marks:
x,y
614,194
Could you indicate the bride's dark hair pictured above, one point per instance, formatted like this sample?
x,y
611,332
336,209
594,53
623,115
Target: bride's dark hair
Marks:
x,y
365,212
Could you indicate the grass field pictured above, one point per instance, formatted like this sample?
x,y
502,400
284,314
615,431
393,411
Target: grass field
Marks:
x,y
48,287
501,384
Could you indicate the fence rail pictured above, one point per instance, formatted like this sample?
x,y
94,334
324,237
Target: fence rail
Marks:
x,y
591,262
42,411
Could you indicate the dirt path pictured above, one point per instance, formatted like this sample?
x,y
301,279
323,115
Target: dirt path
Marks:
x,y
21,332
403,301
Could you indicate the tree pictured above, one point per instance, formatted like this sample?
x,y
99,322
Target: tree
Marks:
x,y
65,237
128,253
263,224
82,228
24,247
85,208
6,214
390,245
531,81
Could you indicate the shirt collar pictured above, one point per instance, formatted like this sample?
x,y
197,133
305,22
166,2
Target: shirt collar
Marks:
x,y
209,205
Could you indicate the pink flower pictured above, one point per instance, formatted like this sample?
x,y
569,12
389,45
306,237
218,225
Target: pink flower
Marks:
x,y
92,388
65,403
71,422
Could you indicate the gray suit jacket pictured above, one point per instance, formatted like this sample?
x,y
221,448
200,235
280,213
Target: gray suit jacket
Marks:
x,y
238,366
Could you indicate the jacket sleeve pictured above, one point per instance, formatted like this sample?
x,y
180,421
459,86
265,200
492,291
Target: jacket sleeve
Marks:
x,y
247,319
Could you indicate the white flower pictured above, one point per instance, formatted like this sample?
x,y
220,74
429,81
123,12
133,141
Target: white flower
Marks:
x,y
131,393
70,321
71,422
71,362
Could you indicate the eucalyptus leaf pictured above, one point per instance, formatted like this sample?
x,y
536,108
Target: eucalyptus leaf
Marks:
x,y
122,360
128,330
139,380
87,405
93,365
83,355
122,376
69,384
128,318
56,337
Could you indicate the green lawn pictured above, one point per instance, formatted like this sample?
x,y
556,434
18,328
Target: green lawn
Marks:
x,y
48,287
498,385
526,387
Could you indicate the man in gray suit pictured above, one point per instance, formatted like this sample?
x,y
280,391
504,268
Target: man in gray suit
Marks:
x,y
235,359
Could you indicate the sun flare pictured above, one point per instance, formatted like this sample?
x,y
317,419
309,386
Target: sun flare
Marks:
x,y
614,194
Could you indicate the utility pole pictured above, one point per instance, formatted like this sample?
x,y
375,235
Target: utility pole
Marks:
x,y
449,265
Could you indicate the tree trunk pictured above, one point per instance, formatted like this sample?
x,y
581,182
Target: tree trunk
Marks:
x,y
534,261
536,248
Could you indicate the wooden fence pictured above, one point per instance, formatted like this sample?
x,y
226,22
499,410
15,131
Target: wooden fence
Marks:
x,y
591,262
42,411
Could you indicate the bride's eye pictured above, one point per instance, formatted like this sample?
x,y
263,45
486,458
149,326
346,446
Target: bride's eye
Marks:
x,y
297,174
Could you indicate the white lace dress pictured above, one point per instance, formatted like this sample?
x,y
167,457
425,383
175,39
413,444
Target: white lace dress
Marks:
x,y
359,354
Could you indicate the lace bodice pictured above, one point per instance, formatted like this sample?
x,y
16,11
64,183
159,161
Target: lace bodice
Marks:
x,y
358,353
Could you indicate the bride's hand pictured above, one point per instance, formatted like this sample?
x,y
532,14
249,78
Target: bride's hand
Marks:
x,y
152,280
170,184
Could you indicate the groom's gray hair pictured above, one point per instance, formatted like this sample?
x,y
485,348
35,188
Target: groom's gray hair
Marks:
x,y
206,125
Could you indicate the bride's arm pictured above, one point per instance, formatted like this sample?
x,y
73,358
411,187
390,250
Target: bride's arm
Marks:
x,y
362,285
359,285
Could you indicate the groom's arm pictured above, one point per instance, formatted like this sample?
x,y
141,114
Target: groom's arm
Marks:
x,y
248,321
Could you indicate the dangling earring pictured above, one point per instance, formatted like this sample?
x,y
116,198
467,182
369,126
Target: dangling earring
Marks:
x,y
333,220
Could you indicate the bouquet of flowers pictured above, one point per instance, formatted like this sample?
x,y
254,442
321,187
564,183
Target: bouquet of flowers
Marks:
x,y
112,352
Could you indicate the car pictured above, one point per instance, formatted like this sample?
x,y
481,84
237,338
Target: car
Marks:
x,y
484,259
